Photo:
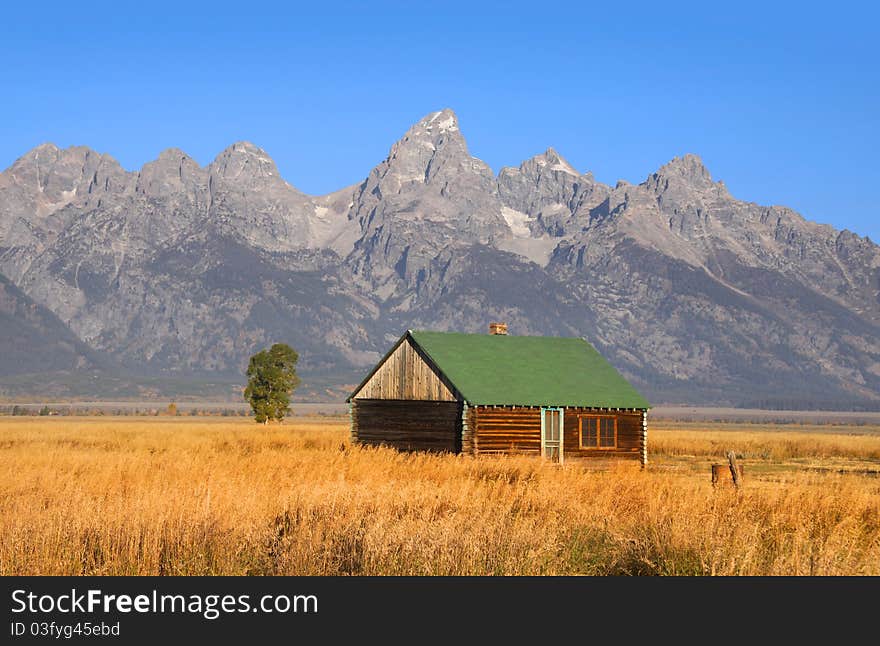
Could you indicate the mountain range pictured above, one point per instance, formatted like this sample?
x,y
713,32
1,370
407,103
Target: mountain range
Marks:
x,y
177,273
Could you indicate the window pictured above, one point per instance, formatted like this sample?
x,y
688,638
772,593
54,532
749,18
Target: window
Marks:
x,y
598,432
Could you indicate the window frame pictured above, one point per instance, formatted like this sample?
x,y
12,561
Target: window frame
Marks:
x,y
596,447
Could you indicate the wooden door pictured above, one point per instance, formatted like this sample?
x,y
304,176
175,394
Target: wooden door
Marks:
x,y
551,434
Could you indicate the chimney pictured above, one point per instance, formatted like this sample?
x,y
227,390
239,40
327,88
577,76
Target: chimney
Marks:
x,y
498,328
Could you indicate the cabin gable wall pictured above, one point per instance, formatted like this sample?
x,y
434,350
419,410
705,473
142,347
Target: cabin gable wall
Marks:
x,y
406,376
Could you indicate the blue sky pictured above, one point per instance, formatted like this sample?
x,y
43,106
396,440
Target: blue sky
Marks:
x,y
781,100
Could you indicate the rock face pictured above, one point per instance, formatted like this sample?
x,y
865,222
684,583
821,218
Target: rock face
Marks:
x,y
428,195
33,340
696,296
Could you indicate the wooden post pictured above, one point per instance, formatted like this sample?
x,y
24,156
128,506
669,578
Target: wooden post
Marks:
x,y
734,468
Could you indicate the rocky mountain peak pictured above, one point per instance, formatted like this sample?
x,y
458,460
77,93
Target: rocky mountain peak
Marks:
x,y
554,162
428,194
444,120
171,156
433,151
547,163
246,148
551,191
683,184
43,150
243,160
433,133
50,177
172,172
48,155
689,168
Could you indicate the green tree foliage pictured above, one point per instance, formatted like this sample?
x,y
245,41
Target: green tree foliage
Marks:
x,y
271,380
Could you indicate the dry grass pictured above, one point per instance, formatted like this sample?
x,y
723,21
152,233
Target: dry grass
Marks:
x,y
225,496
773,443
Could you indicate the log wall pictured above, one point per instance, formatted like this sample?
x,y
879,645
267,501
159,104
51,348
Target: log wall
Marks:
x,y
512,429
407,425
405,375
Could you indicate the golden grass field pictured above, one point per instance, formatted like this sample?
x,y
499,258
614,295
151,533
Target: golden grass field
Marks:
x,y
225,496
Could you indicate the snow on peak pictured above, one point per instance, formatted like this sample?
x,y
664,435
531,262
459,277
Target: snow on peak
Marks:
x,y
522,242
554,161
557,163
235,159
517,221
246,147
441,121
564,167
46,146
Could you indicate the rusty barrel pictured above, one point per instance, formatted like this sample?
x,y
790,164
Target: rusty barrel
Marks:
x,y
721,473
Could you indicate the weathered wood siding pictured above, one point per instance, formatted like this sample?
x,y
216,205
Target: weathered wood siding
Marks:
x,y
407,425
512,429
405,376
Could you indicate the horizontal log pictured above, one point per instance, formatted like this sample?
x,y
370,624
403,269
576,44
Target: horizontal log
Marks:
x,y
392,413
506,412
408,425
602,454
517,432
619,445
401,403
507,449
506,442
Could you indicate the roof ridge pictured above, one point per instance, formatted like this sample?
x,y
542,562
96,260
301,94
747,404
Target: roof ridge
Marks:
x,y
508,336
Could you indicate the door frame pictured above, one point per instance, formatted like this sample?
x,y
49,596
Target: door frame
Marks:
x,y
561,411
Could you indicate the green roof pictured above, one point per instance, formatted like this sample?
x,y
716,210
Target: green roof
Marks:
x,y
491,369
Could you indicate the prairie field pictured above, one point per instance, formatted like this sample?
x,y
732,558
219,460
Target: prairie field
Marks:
x,y
169,496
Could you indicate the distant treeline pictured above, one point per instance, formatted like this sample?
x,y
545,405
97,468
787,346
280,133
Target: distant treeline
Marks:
x,y
166,411
795,404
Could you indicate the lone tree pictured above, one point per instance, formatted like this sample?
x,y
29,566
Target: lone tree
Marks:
x,y
271,380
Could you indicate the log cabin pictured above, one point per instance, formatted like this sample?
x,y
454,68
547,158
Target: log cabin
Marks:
x,y
555,397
